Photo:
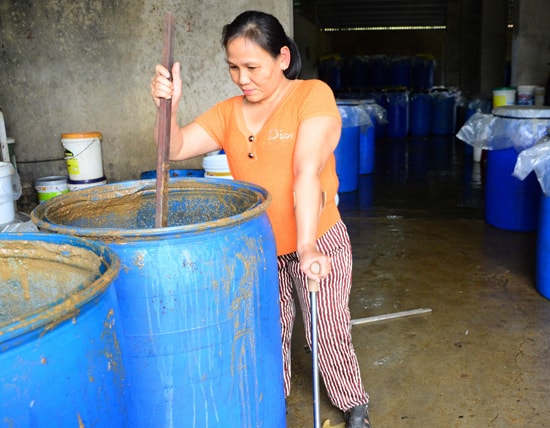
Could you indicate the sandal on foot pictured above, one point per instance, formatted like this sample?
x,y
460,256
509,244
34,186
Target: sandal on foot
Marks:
x,y
358,417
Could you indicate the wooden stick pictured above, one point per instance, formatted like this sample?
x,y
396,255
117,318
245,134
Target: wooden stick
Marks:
x,y
390,316
165,113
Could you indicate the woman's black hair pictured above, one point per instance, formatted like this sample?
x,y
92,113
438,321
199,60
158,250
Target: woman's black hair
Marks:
x,y
267,32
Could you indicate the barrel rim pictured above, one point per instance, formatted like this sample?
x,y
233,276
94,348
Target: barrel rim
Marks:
x,y
124,188
56,313
522,112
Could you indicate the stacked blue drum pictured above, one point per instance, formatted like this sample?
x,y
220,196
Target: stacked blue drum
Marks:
x,y
355,151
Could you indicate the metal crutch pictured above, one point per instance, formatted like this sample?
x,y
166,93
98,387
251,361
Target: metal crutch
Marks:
x,y
313,288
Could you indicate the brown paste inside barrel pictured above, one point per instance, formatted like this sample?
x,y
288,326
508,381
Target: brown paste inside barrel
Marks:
x,y
35,274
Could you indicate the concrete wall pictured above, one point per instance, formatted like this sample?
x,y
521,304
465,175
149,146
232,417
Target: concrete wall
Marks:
x,y
492,44
531,43
85,65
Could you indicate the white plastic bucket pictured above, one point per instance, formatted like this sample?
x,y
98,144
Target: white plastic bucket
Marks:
x,y
7,208
216,166
504,97
83,155
50,187
75,185
526,95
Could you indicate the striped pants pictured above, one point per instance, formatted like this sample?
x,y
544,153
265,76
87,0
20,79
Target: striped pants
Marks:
x,y
337,361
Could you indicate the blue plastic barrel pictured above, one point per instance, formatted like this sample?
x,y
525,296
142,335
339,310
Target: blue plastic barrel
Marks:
x,y
378,71
199,298
397,113
347,159
420,114
357,72
444,112
60,334
347,153
543,249
330,72
377,115
422,73
400,69
510,203
366,148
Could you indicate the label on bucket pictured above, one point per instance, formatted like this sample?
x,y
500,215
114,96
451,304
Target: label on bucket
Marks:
x,y
45,196
72,163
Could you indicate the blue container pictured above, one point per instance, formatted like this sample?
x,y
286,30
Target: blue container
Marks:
x,y
379,71
373,110
543,249
199,298
366,149
147,175
422,73
347,153
510,203
397,113
60,333
347,159
376,106
444,113
420,114
357,73
400,71
330,72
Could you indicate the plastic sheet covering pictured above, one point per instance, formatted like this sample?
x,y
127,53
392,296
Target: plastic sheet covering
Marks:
x,y
536,158
21,223
507,127
353,114
480,105
375,111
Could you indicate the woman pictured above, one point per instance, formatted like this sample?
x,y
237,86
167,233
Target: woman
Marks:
x,y
281,134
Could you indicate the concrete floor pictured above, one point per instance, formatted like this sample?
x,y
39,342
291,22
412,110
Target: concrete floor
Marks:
x,y
481,357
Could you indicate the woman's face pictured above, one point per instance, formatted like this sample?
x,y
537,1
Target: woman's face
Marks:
x,y
254,70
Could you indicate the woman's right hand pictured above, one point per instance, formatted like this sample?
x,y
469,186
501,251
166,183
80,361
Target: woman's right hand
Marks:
x,y
164,87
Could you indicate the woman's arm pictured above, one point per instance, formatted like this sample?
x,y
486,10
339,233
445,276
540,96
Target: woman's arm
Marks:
x,y
198,140
316,140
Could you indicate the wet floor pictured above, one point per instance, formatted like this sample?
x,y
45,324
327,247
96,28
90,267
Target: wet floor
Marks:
x,y
481,356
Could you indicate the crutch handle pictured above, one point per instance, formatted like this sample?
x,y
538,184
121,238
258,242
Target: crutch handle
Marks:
x,y
313,285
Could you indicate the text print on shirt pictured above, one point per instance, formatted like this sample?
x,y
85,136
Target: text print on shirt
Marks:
x,y
279,134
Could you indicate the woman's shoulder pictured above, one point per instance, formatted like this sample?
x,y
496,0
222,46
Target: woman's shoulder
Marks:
x,y
314,90
231,101
227,105
314,84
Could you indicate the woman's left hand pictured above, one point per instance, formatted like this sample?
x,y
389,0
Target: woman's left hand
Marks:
x,y
310,257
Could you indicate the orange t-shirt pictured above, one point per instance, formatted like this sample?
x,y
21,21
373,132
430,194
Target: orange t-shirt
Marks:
x,y
273,149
